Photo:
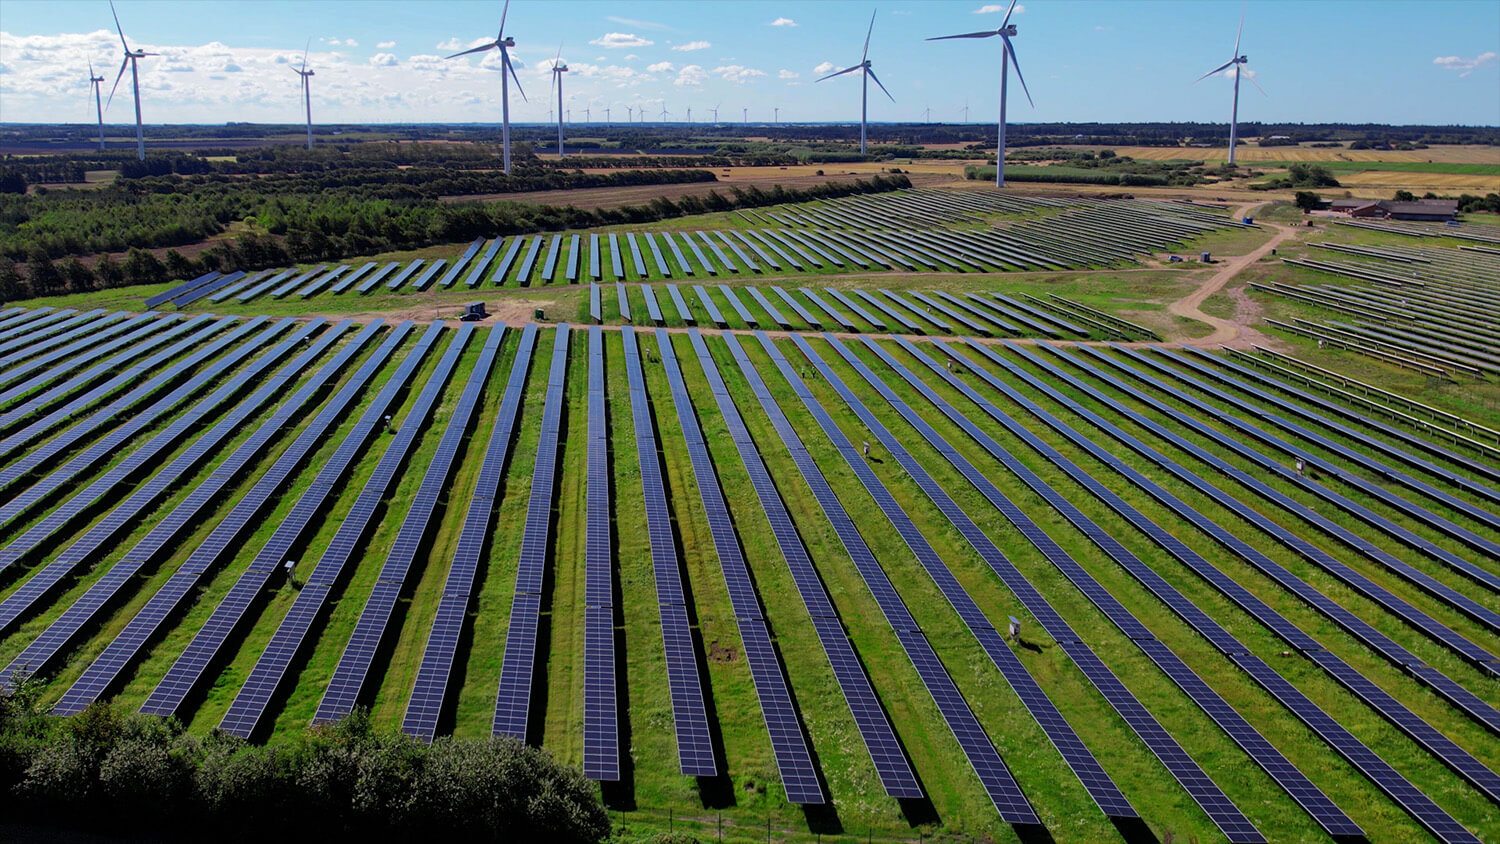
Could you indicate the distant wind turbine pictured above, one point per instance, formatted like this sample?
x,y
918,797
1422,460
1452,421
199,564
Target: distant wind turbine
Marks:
x,y
776,115
690,114
1237,62
606,114
503,44
1007,60
746,115
629,113
715,110
927,115
131,57
306,89
98,102
866,73
664,112
558,69
587,115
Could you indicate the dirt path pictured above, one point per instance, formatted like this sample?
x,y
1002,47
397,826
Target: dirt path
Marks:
x,y
1228,332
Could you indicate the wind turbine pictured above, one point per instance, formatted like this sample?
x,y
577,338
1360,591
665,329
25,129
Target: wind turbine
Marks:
x,y
715,110
1007,60
1237,62
776,115
745,115
98,103
131,57
606,114
306,89
507,71
690,114
927,115
664,112
587,115
558,69
629,113
867,74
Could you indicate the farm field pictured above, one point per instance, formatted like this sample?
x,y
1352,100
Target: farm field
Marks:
x,y
1443,153
759,580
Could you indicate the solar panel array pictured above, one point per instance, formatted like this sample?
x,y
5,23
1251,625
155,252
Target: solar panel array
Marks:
x,y
991,770
200,655
601,711
425,707
518,666
80,354
695,751
1075,754
788,742
1437,744
247,711
874,726
97,678
349,677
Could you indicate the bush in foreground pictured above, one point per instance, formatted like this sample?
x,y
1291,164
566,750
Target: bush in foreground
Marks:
x,y
133,774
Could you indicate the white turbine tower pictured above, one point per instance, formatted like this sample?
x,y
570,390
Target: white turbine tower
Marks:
x,y
629,114
306,89
503,44
131,57
1237,62
745,115
664,112
606,115
715,110
690,114
866,73
98,102
1007,61
776,115
558,69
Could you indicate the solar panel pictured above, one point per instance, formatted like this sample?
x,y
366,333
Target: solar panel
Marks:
x,y
425,707
754,247
108,448
573,250
680,303
421,282
293,283
925,314
771,310
373,279
874,727
348,280
459,263
738,253
139,338
703,262
513,698
203,290
708,305
623,301
616,261
97,677
739,307
68,352
854,306
714,247
406,273
661,264
523,274
653,308
186,287
637,261
595,271
476,271
1078,758
807,316
247,711
66,330
788,742
601,716
508,260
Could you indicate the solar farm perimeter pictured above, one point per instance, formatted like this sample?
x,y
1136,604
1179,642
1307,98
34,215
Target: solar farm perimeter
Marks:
x,y
774,556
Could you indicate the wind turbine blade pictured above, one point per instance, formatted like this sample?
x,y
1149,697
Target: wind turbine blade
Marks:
x,y
1008,14
480,49
989,33
147,54
871,71
842,72
503,15
116,86
558,60
117,25
1239,32
304,53
1212,72
1011,49
512,69
91,70
866,53
1251,80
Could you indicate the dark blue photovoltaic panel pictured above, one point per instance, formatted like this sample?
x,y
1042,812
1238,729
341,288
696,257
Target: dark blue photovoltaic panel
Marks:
x,y
140,330
186,287
373,279
661,264
695,752
703,261
874,727
771,310
247,710
219,283
425,279
202,653
754,247
348,280
476,270
616,260
653,308
574,249
888,311
738,253
601,717
680,303
430,691
462,261
523,273
513,699
63,328
739,307
99,676
927,315
406,273
788,742
622,301
1078,758
854,306
502,267
708,305
14,371
637,262
807,316
297,281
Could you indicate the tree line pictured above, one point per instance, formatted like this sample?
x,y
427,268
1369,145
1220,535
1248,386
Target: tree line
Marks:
x,y
120,774
302,229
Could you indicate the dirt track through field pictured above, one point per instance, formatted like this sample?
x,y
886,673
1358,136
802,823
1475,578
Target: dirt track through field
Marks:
x,y
1229,332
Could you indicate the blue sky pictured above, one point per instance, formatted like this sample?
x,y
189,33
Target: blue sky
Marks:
x,y
1084,60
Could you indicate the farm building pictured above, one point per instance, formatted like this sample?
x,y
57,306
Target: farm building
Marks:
x,y
1429,210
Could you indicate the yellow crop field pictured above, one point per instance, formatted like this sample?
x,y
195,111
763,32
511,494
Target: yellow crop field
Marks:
x,y
1421,181
1443,154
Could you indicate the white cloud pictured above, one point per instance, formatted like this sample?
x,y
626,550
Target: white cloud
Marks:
x,y
383,60
618,40
993,8
692,45
630,58
783,22
738,74
825,67
787,74
638,24
690,75
453,45
385,45
1103,28
1466,66
1230,73
661,67
334,42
